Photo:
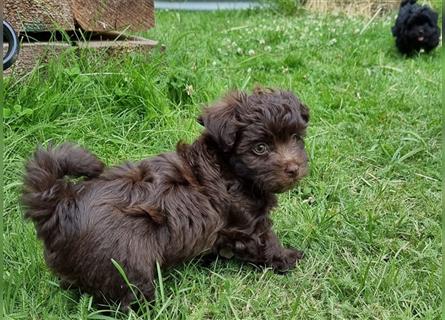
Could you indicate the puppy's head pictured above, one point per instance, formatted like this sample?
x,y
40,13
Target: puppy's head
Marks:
x,y
421,26
261,136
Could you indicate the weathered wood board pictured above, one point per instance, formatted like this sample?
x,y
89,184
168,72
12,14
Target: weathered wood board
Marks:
x,y
117,47
39,52
38,15
32,53
119,15
90,15
102,21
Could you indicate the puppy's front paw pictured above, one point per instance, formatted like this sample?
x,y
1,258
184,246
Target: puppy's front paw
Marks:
x,y
288,260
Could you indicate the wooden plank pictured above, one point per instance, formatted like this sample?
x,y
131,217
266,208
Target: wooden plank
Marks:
x,y
38,15
33,53
109,36
40,52
118,47
118,15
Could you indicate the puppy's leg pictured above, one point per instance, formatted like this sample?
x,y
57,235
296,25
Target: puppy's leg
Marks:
x,y
143,291
281,259
262,247
207,259
65,284
142,286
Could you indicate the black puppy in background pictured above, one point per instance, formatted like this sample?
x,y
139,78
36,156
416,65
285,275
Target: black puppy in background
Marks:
x,y
416,28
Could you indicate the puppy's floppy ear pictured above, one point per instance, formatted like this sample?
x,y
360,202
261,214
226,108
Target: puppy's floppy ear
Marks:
x,y
432,15
220,119
302,108
395,29
259,90
304,112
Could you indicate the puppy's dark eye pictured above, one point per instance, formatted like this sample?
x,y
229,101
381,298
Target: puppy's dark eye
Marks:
x,y
260,148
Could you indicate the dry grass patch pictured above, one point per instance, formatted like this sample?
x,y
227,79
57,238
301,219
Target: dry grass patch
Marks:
x,y
356,7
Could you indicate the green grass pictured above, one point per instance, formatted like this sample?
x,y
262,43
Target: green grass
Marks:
x,y
367,216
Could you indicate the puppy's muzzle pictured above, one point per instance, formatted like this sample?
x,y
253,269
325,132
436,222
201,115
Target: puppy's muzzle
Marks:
x,y
292,170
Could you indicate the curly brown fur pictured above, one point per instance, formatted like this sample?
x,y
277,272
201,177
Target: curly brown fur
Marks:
x,y
214,195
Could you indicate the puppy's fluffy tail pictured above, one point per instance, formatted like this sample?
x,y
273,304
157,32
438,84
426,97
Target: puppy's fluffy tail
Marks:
x,y
44,185
405,2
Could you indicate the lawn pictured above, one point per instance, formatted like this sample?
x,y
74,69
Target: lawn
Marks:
x,y
367,216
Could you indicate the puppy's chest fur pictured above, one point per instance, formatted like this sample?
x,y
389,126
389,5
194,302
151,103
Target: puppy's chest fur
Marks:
x,y
246,207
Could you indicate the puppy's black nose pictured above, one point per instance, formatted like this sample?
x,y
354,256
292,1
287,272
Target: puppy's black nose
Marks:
x,y
291,169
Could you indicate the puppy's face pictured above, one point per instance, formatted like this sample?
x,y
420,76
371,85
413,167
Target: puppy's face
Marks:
x,y
422,26
261,136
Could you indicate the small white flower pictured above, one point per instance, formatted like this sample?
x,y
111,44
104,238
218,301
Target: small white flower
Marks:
x,y
251,52
239,50
262,41
189,89
249,70
268,48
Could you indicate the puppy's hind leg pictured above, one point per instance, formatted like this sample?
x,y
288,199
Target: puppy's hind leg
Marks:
x,y
141,291
138,297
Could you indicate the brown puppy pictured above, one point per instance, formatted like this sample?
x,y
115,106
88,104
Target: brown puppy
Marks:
x,y
214,195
